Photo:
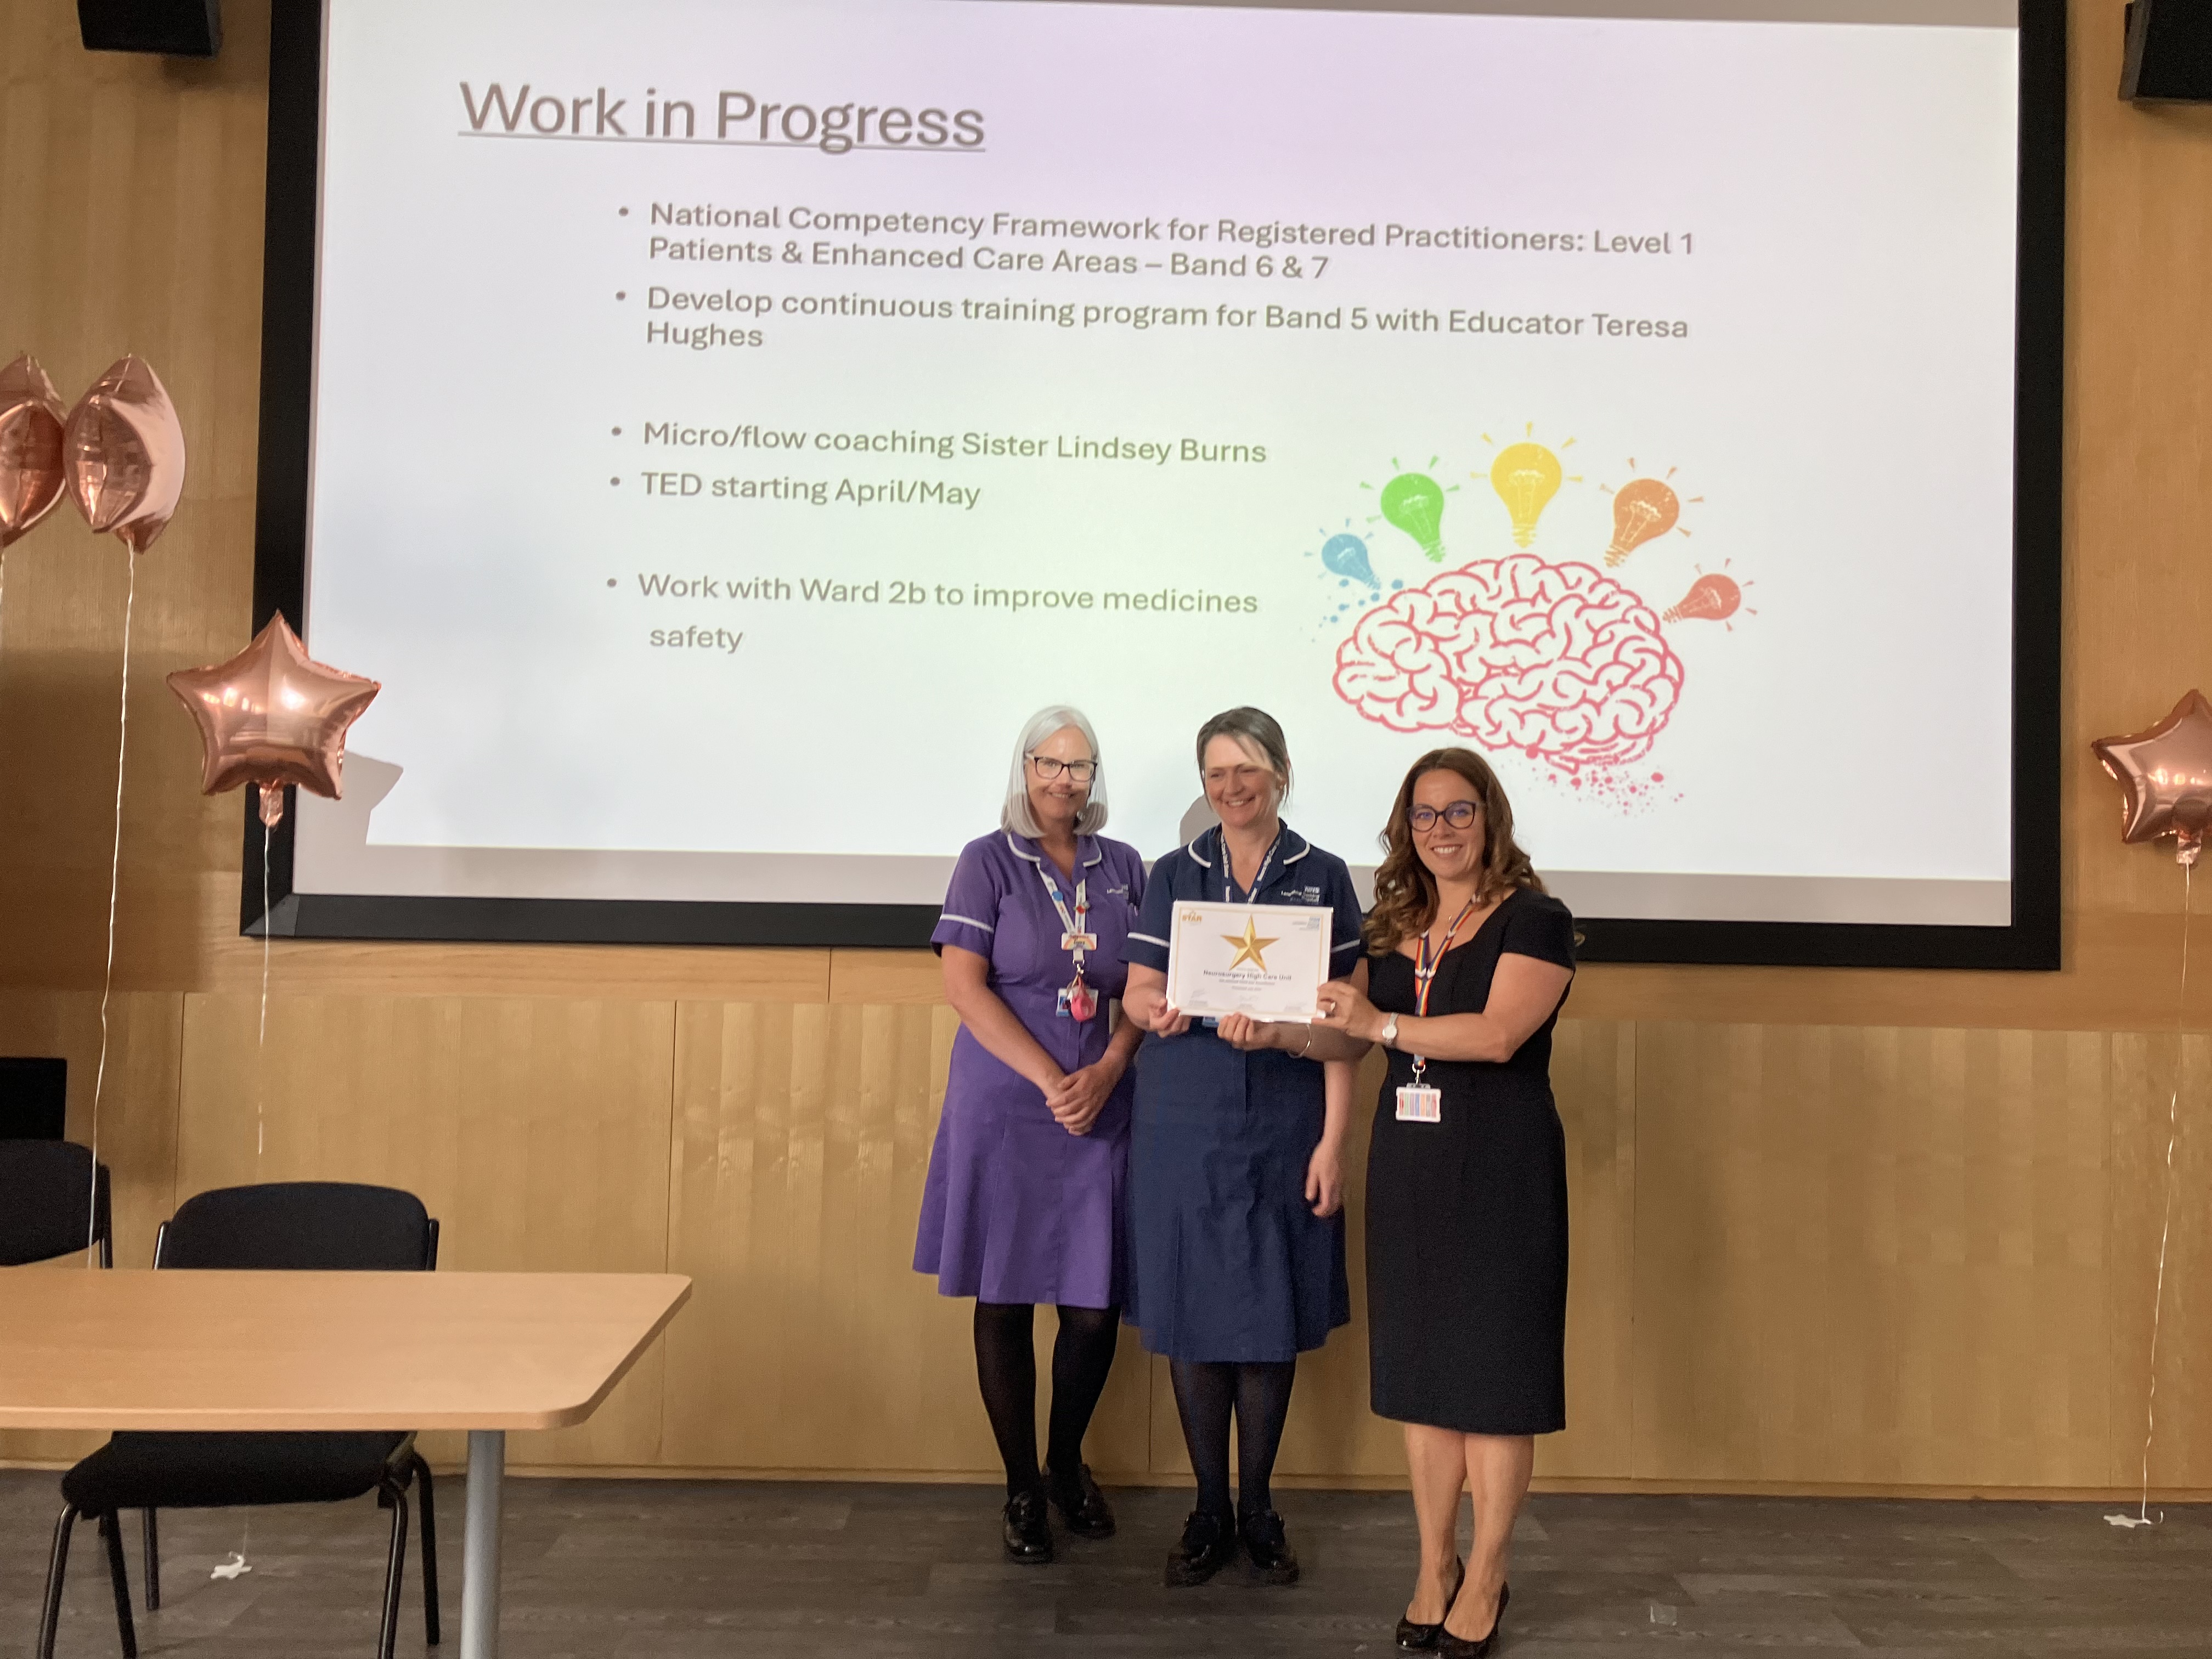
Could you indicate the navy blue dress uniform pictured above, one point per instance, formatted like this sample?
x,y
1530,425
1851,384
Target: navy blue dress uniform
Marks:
x,y
1230,1263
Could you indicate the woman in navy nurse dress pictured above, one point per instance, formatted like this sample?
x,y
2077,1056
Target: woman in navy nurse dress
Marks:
x,y
1234,1177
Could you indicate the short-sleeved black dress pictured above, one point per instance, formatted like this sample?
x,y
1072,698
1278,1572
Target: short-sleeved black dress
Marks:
x,y
1467,1218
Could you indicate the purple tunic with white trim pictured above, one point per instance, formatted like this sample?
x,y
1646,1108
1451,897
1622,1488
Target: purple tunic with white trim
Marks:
x,y
1016,1209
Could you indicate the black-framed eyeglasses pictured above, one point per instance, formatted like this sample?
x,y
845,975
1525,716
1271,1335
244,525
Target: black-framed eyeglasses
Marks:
x,y
1047,768
1460,815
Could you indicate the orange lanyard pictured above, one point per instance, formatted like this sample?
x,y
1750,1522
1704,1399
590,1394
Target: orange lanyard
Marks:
x,y
1425,968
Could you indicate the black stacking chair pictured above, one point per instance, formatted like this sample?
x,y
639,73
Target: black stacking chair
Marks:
x,y
301,1225
45,1187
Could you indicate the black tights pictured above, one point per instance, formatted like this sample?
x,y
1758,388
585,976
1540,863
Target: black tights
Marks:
x,y
1006,1365
1206,1394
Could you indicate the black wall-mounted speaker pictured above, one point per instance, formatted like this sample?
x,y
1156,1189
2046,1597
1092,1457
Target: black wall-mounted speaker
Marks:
x,y
176,28
2169,53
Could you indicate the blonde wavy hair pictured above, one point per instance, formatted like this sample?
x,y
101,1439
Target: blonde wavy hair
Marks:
x,y
1405,892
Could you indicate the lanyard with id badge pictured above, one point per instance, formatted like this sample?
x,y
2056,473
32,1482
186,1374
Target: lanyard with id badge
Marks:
x,y
1212,1022
1077,1000
1417,1102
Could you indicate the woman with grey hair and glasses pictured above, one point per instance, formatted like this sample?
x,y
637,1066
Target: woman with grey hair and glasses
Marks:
x,y
1027,1195
1236,1172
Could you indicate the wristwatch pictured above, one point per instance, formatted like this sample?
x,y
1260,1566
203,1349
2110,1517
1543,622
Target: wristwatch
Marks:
x,y
1390,1032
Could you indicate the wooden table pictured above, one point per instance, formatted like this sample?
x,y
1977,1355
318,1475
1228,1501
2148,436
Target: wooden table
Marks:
x,y
486,1353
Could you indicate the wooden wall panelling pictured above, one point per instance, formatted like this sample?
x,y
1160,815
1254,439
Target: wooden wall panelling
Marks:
x,y
132,189
2138,464
137,1131
1870,1255
536,1132
1594,1076
591,972
2147,1113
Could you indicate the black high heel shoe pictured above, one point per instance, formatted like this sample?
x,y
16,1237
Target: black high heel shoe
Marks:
x,y
1422,1638
1459,1647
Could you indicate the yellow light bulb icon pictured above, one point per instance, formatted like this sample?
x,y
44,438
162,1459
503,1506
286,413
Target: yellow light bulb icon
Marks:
x,y
1526,476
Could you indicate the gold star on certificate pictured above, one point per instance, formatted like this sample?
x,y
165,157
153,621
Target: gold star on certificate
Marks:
x,y
1248,947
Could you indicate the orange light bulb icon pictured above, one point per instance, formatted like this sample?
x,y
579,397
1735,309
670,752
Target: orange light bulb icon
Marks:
x,y
1713,598
1642,511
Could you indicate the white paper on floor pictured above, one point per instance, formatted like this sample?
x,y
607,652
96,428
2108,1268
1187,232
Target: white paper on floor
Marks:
x,y
231,1568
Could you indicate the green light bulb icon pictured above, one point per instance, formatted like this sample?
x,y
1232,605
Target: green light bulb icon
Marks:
x,y
1415,503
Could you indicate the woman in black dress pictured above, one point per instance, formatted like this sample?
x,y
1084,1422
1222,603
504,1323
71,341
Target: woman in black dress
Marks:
x,y
1467,1179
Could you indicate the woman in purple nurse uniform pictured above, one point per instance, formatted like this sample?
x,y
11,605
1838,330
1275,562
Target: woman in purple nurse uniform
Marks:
x,y
1026,1201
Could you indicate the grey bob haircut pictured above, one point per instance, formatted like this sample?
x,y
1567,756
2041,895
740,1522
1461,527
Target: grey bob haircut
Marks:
x,y
1015,814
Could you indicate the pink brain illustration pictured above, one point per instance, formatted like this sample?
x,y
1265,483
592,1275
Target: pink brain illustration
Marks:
x,y
1558,661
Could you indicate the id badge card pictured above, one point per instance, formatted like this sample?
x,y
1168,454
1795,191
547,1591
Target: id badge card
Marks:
x,y
1417,1104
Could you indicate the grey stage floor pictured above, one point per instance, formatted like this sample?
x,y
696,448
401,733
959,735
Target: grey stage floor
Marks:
x,y
684,1568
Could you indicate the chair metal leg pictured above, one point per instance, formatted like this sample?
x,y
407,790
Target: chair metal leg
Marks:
x,y
428,1505
51,1614
395,1569
153,1563
110,1529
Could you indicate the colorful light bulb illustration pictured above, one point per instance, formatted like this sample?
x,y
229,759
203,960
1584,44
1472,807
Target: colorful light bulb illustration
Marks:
x,y
1642,511
1526,475
1415,503
1346,556
1712,598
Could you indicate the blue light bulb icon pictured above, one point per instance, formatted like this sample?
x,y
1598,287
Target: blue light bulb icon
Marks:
x,y
1347,556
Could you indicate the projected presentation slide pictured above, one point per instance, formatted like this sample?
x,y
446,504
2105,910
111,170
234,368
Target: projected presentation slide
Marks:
x,y
731,421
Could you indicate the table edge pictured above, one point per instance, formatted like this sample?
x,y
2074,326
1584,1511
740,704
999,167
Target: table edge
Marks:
x,y
279,1421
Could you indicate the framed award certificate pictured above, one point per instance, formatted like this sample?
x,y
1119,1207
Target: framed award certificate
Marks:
x,y
1269,961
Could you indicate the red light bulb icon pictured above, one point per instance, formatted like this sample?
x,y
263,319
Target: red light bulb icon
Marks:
x,y
1712,597
1642,511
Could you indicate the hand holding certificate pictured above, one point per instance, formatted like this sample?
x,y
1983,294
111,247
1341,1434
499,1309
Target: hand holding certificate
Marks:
x,y
1267,961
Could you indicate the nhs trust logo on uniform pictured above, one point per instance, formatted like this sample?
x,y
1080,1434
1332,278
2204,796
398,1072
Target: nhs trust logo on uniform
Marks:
x,y
1311,895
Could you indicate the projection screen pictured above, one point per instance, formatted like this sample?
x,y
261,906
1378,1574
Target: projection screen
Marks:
x,y
720,425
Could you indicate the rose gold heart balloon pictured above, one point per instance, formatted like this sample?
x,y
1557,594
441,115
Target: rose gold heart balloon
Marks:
x,y
125,452
31,477
272,716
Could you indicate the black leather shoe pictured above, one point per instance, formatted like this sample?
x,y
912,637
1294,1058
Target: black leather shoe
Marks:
x,y
1458,1647
1082,1506
1274,1560
1027,1533
1422,1638
1209,1544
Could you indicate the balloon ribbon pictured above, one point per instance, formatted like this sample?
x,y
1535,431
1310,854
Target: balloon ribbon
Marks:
x,y
114,886
2142,1517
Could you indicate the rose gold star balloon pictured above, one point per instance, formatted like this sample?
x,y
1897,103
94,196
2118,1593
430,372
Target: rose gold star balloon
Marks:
x,y
272,716
31,477
125,452
2167,773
